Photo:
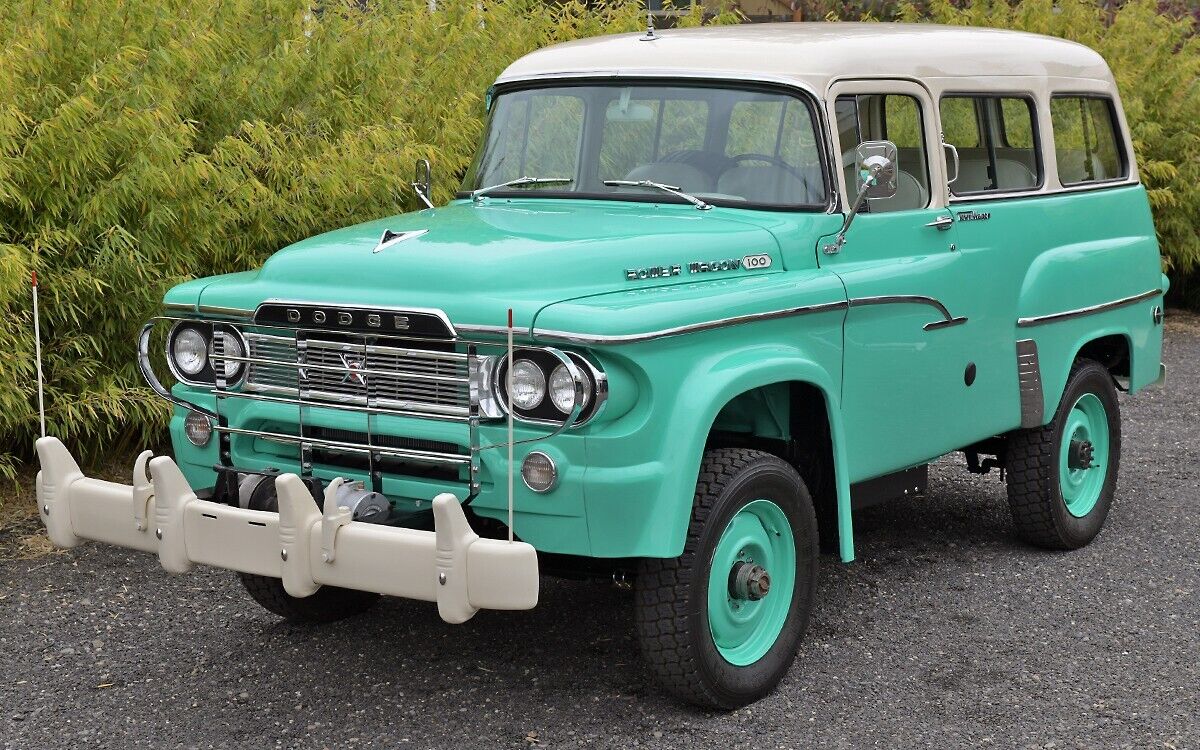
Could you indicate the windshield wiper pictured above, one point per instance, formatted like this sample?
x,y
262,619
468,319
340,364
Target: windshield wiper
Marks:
x,y
520,182
659,186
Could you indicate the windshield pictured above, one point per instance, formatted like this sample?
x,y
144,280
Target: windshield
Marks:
x,y
727,146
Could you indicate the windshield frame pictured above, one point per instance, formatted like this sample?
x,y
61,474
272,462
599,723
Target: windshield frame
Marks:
x,y
806,97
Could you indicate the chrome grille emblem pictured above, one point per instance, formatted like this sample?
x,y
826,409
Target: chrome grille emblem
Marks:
x,y
354,367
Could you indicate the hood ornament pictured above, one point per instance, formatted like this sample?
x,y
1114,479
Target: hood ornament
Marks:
x,y
390,238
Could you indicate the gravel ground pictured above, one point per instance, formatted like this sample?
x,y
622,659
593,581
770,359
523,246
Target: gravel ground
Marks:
x,y
946,633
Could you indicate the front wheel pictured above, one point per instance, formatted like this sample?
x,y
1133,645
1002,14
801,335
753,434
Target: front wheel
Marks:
x,y
1062,476
720,624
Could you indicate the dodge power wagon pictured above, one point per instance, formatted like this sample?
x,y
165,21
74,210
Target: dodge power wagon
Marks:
x,y
702,295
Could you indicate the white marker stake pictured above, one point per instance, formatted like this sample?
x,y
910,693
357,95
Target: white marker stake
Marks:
x,y
508,391
37,348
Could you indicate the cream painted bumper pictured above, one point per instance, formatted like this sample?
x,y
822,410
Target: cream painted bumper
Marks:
x,y
300,544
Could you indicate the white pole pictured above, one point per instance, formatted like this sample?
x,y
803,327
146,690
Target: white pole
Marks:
x,y
37,348
508,387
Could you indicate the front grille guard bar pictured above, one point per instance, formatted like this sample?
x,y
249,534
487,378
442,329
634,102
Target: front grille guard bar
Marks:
x,y
362,374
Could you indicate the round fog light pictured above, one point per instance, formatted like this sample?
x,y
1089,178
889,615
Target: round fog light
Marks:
x,y
198,429
538,472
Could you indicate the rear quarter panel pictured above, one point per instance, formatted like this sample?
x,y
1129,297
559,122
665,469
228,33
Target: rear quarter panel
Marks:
x,y
1100,247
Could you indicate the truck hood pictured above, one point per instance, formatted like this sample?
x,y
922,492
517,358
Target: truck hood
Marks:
x,y
476,261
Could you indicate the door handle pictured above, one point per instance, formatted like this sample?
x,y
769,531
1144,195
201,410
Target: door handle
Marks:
x,y
942,223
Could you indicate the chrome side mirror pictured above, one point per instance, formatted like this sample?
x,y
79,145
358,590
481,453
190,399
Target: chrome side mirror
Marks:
x,y
875,166
422,180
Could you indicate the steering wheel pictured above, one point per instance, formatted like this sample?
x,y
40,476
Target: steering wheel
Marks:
x,y
775,160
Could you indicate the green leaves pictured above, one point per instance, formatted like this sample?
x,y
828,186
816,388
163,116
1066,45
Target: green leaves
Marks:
x,y
146,142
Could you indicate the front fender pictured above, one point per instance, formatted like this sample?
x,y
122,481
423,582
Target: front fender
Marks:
x,y
643,507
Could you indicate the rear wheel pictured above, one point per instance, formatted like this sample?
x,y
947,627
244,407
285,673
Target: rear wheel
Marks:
x,y
1062,476
720,624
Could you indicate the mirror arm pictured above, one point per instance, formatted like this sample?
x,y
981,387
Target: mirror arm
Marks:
x,y
422,181
835,247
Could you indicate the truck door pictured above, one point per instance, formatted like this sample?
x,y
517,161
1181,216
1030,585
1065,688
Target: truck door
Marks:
x,y
911,377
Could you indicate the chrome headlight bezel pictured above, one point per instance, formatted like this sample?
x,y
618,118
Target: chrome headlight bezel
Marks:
x,y
206,376
547,412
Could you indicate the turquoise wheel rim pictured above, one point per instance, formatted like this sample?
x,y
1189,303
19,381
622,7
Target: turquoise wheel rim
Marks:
x,y
1083,455
745,628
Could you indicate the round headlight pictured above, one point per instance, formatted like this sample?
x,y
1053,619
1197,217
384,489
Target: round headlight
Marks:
x,y
189,349
562,390
198,429
528,384
231,347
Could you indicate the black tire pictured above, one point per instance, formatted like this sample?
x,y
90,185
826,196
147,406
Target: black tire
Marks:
x,y
671,594
1035,496
329,604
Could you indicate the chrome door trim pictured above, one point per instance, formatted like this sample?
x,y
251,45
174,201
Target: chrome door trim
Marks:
x,y
947,320
1079,312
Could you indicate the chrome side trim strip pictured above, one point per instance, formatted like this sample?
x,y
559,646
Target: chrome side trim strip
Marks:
x,y
589,339
231,312
235,312
1090,310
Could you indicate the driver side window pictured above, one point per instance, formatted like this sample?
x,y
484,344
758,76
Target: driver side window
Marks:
x,y
886,117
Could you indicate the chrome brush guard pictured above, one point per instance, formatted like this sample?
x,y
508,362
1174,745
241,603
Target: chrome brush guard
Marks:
x,y
371,376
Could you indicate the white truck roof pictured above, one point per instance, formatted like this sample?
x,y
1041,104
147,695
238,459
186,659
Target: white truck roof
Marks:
x,y
815,54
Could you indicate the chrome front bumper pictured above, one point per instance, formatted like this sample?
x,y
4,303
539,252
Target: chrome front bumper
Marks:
x,y
303,545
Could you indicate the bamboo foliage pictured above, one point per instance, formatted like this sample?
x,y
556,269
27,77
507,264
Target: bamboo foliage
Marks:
x,y
143,143
146,142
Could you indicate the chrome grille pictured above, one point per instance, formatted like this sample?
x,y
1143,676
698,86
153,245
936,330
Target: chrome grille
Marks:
x,y
336,372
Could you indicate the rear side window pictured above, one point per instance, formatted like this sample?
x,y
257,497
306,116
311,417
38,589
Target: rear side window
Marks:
x,y
1085,140
996,141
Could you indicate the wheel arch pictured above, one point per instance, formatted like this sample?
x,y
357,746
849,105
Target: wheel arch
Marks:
x,y
1111,346
809,387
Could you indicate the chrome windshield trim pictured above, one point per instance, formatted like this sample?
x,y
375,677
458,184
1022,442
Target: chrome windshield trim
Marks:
x,y
826,145
1038,320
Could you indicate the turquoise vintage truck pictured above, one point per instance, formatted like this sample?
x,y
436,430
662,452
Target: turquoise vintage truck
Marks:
x,y
703,294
